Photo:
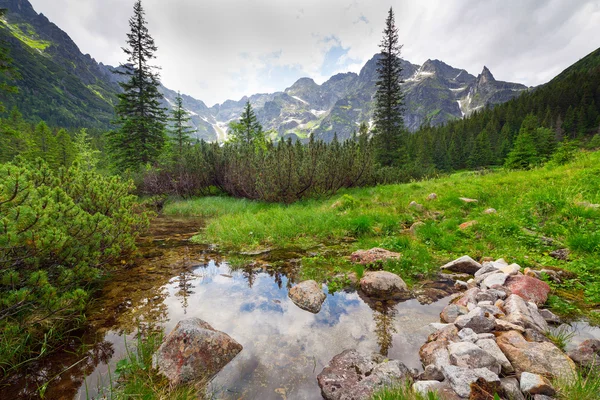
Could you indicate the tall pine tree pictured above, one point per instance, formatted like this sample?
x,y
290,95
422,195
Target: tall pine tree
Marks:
x,y
141,135
247,130
389,100
181,130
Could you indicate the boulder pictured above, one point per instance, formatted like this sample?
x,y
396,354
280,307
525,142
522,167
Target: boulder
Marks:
x,y
194,351
447,333
373,256
308,295
461,378
489,346
384,285
470,296
467,335
451,312
431,373
352,376
476,320
469,355
587,354
538,358
519,312
494,280
512,388
435,353
533,384
529,288
464,264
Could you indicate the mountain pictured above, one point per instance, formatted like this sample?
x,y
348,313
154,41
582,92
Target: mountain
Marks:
x,y
67,88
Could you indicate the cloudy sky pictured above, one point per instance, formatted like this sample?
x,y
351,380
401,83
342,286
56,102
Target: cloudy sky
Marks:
x,y
224,49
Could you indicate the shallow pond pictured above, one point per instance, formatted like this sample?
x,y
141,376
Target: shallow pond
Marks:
x,y
284,347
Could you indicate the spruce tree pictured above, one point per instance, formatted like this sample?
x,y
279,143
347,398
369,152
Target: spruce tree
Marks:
x,y
247,130
141,118
389,100
181,130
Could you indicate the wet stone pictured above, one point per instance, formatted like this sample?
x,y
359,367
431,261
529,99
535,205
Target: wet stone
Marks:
x,y
308,295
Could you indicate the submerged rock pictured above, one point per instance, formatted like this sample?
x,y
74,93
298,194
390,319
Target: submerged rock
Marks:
x,y
464,264
352,376
373,256
308,295
385,285
194,351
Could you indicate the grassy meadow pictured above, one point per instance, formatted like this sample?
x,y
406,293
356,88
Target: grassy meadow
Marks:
x,y
538,211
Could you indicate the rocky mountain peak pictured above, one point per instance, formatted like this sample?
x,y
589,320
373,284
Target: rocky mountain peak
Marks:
x,y
302,84
485,77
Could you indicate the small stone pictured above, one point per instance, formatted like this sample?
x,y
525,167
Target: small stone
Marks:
x,y
486,268
416,206
476,320
549,316
501,261
470,296
479,279
536,384
490,211
413,228
432,196
481,336
431,373
560,254
490,347
494,280
468,200
512,388
587,354
373,256
461,285
499,303
512,269
542,397
308,295
451,312
467,335
464,264
461,378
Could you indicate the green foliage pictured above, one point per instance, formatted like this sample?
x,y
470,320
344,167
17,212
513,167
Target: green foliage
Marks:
x,y
560,336
180,130
584,386
404,392
565,153
247,131
389,100
58,232
141,118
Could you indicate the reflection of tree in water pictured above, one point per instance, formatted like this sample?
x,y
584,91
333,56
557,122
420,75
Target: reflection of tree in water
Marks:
x,y
385,316
185,288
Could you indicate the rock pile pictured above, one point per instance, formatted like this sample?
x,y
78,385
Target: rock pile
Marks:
x,y
494,335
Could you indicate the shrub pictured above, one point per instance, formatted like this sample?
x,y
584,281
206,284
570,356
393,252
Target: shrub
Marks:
x,y
58,232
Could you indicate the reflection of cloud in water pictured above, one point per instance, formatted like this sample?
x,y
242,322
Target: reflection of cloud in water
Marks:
x,y
285,347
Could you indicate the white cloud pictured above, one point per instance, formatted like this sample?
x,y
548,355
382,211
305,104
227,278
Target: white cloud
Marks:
x,y
224,49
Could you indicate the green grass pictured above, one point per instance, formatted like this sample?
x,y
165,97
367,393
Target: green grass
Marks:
x,y
585,386
27,37
403,393
544,200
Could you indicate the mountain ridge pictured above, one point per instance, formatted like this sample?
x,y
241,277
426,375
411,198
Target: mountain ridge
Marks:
x,y
67,88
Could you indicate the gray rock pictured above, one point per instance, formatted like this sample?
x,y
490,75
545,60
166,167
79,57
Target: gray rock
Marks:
x,y
490,347
461,378
352,376
416,206
486,268
431,373
451,312
524,314
549,316
476,320
536,384
194,351
486,336
384,285
511,388
442,389
467,335
308,295
490,211
469,355
512,269
479,279
542,397
587,354
463,264
435,353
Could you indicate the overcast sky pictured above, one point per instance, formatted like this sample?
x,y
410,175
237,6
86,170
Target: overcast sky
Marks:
x,y
224,49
